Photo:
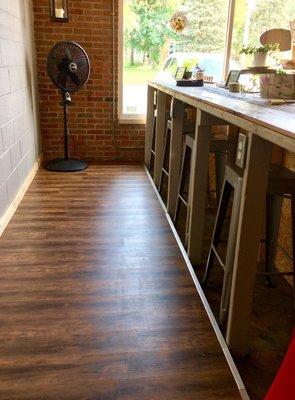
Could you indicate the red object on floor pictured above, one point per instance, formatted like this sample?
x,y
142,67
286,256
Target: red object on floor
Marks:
x,y
283,386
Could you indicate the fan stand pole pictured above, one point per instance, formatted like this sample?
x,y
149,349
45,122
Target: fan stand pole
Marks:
x,y
66,101
66,164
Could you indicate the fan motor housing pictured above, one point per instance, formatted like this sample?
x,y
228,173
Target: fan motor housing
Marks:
x,y
73,67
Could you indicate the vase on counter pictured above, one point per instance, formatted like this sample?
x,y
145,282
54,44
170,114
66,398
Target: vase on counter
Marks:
x,y
260,59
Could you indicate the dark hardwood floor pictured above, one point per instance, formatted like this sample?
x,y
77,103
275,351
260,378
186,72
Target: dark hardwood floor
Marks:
x,y
96,301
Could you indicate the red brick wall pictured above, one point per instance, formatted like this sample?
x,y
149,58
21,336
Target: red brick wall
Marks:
x,y
90,24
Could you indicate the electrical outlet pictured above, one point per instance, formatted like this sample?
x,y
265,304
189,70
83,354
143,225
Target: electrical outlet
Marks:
x,y
241,150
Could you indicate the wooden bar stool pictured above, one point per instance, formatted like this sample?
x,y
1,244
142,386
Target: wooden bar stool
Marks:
x,y
281,183
218,146
188,128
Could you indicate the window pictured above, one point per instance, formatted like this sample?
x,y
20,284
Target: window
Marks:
x,y
140,52
216,32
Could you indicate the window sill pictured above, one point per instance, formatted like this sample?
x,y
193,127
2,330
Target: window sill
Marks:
x,y
132,119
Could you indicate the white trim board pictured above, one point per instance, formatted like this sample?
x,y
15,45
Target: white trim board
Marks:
x,y
241,387
8,214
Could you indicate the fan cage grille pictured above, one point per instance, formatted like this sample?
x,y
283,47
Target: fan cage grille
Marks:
x,y
59,59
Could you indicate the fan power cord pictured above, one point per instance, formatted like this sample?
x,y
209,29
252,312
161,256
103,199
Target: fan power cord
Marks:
x,y
114,140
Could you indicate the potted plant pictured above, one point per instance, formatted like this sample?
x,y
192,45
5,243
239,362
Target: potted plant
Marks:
x,y
260,53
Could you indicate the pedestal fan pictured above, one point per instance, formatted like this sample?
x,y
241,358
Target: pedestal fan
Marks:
x,y
68,66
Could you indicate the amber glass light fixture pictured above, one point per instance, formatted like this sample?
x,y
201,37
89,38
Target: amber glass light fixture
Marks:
x,y
178,21
59,10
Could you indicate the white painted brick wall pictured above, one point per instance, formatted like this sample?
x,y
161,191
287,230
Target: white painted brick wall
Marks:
x,y
18,124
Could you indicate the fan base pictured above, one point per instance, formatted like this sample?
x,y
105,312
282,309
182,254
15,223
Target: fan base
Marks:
x,y
69,165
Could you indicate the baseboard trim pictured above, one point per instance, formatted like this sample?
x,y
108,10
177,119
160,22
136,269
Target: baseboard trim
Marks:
x,y
8,214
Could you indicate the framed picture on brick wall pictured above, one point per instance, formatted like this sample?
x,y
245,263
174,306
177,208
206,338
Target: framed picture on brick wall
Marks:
x,y
59,10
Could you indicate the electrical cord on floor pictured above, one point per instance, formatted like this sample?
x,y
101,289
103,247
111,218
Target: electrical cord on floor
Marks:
x,y
115,143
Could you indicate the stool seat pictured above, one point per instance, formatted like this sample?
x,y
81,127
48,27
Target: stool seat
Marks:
x,y
188,126
281,180
190,140
219,143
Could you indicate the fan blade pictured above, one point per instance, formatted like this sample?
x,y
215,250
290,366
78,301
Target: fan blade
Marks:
x,y
82,64
68,53
75,78
63,64
62,79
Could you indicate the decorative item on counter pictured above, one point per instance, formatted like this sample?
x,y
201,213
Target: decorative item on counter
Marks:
x,y
278,86
187,74
233,76
178,21
288,64
198,73
259,70
189,82
283,37
197,78
260,53
180,72
252,83
208,79
279,102
194,71
234,87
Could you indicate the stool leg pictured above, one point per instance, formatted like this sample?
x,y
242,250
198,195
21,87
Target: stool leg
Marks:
x,y
230,253
152,146
190,166
220,163
273,216
154,133
151,165
220,218
165,155
185,166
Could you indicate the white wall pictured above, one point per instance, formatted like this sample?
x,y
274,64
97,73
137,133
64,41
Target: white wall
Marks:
x,y
18,112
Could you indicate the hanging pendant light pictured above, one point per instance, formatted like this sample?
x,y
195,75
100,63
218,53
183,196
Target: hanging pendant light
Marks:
x,y
178,21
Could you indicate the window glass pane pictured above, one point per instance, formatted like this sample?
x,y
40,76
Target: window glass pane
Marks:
x,y
202,42
152,49
145,34
252,18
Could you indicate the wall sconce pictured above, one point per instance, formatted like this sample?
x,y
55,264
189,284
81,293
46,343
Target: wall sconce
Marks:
x,y
59,10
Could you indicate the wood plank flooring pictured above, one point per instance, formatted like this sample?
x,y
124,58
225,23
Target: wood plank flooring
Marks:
x,y
96,301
